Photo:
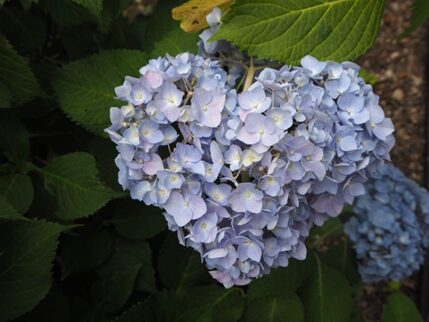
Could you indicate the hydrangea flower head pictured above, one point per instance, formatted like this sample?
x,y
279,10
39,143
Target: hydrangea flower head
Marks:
x,y
390,228
243,176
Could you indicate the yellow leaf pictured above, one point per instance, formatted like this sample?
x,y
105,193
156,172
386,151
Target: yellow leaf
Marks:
x,y
193,13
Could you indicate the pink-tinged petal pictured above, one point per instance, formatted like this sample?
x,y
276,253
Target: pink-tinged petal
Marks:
x,y
154,79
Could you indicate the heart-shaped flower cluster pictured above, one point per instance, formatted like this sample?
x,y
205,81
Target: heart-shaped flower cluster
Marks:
x,y
243,177
390,231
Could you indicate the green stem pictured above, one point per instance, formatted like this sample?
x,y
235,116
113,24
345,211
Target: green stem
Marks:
x,y
395,285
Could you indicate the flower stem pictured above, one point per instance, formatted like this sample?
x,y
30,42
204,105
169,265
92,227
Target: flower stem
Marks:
x,y
249,75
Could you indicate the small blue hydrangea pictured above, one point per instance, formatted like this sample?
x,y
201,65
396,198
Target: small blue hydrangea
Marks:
x,y
242,177
390,228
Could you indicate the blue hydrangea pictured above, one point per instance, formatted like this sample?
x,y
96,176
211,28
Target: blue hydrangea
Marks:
x,y
242,177
390,229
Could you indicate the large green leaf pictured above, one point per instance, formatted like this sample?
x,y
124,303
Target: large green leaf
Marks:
x,y
342,258
146,276
85,89
160,34
118,275
73,178
420,14
16,74
165,306
16,24
287,30
327,296
7,211
27,3
85,251
282,281
275,309
13,137
5,96
132,219
18,190
67,13
198,304
332,228
27,249
54,307
212,304
93,6
105,153
180,267
399,308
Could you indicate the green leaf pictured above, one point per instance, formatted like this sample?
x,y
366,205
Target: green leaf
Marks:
x,y
118,275
174,42
18,190
420,14
368,76
212,304
74,180
164,306
341,257
133,219
13,137
85,251
93,6
105,153
356,315
27,250
282,281
7,211
27,3
111,10
17,25
85,89
54,307
5,96
44,203
180,267
399,308
333,227
66,13
146,277
275,309
288,30
160,34
327,296
17,75
134,313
